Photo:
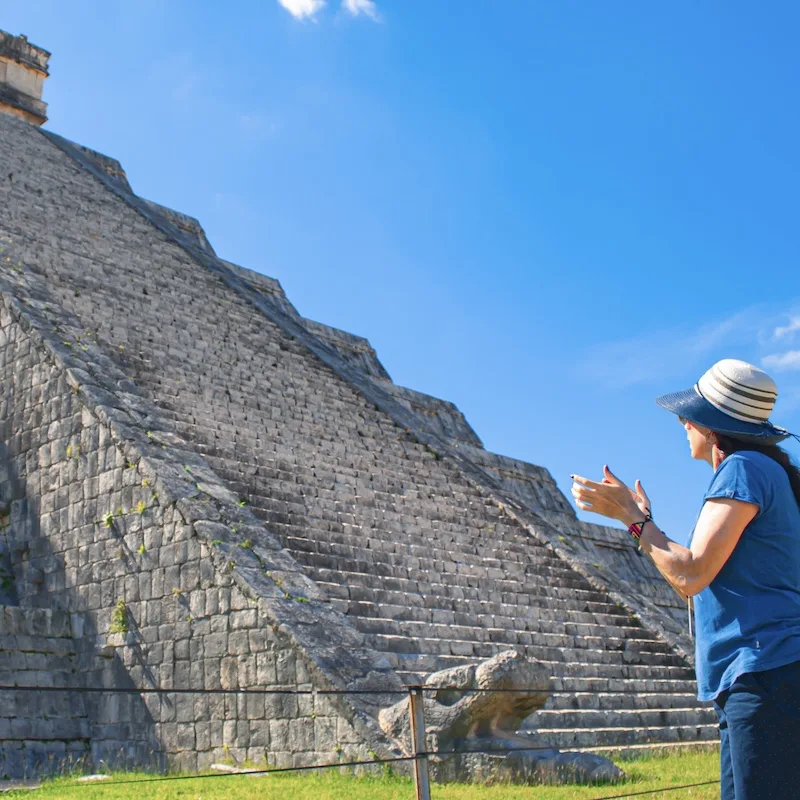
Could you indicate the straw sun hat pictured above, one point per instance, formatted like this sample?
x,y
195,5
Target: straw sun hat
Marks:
x,y
733,398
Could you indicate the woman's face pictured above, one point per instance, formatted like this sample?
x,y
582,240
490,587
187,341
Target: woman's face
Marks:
x,y
697,435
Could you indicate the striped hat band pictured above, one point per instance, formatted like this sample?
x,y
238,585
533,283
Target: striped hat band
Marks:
x,y
740,390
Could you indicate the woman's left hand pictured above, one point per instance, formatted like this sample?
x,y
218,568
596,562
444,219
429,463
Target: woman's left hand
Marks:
x,y
609,498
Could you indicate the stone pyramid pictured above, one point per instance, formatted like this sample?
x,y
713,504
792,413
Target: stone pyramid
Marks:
x,y
206,490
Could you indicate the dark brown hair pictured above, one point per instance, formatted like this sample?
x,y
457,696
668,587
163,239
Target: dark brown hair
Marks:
x,y
729,446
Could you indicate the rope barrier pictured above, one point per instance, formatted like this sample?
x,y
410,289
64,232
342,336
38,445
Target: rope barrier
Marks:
x,y
655,791
379,762
419,758
271,771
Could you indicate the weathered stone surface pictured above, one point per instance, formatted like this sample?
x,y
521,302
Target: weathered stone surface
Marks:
x,y
475,730
465,718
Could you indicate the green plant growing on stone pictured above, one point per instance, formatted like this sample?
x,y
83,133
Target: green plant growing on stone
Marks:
x,y
141,506
242,503
216,543
278,581
247,544
119,618
176,592
433,452
145,482
108,519
142,549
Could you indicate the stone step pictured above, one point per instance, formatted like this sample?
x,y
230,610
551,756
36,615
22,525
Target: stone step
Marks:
x,y
455,567
675,694
631,636
546,641
441,550
371,580
214,432
622,700
371,575
549,719
565,738
545,618
362,597
567,676
600,662
631,751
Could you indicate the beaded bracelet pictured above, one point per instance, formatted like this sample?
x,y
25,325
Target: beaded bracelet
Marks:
x,y
636,528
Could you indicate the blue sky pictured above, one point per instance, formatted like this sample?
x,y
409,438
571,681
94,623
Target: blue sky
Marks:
x,y
545,212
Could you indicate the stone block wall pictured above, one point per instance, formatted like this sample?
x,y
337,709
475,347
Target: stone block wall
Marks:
x,y
40,730
157,592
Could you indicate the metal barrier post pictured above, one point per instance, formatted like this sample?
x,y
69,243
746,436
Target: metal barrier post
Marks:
x,y
422,780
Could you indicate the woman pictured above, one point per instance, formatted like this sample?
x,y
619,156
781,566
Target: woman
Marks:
x,y
741,568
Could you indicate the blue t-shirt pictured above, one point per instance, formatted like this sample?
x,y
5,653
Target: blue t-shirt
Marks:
x,y
748,618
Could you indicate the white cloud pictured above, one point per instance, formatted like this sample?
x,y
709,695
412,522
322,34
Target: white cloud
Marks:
x,y
302,8
366,7
782,362
785,330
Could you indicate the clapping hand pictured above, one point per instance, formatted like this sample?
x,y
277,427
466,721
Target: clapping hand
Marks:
x,y
611,498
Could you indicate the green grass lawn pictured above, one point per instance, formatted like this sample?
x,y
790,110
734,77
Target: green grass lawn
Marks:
x,y
645,774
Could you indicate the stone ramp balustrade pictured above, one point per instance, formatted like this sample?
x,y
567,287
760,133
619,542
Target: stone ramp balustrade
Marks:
x,y
425,563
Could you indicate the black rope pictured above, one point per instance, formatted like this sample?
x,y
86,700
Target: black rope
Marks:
x,y
381,761
655,791
271,771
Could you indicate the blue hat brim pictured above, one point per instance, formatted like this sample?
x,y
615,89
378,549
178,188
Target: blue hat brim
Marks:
x,y
691,405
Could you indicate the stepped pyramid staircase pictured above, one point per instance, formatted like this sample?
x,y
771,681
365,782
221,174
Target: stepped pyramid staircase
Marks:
x,y
391,521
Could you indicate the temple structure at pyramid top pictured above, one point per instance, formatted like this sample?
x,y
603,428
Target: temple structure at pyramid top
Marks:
x,y
23,71
203,489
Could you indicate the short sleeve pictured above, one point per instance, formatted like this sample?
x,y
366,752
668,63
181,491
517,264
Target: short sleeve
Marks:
x,y
741,478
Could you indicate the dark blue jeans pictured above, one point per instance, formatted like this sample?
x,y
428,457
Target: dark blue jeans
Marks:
x,y
759,727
